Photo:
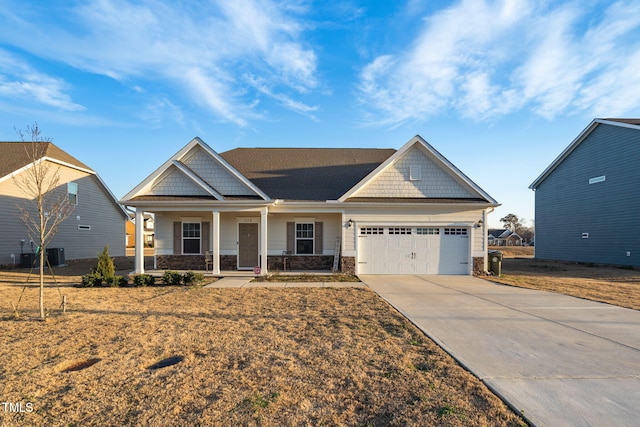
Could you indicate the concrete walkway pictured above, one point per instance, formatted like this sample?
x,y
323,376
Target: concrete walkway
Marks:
x,y
562,361
245,282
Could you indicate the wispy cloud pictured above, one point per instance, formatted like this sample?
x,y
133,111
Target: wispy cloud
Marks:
x,y
20,82
484,59
192,46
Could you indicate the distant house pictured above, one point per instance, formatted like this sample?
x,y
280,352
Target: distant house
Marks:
x,y
97,219
587,201
148,230
357,210
503,237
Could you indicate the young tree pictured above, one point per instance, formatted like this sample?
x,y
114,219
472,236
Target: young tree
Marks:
x,y
47,204
512,222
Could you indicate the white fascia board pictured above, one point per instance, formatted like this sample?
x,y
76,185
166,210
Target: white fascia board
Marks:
x,y
233,170
418,140
148,181
585,132
197,180
50,159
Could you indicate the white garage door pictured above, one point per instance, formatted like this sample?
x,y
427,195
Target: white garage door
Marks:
x,y
413,250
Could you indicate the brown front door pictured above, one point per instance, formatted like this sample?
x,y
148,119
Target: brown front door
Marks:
x,y
247,246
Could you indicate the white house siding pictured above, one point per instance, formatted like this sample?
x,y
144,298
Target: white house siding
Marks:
x,y
395,181
215,174
96,208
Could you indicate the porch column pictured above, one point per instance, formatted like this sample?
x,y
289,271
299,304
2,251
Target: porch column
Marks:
x,y
139,242
263,232
216,242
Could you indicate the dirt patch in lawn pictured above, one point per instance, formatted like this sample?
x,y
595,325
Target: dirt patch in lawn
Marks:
x,y
613,285
251,357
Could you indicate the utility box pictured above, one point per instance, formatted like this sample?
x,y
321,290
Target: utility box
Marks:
x,y
495,262
55,256
26,260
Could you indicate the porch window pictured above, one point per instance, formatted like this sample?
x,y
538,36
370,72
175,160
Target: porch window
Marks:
x,y
304,238
191,237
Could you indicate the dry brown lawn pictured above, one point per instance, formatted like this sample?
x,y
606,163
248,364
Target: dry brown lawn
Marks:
x,y
613,285
250,357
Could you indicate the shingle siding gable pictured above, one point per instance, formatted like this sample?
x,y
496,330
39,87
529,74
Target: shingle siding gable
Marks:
x,y
175,183
215,174
568,206
395,181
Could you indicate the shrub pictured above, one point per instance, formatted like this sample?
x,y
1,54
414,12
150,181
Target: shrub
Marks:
x,y
172,278
144,280
91,280
191,278
106,268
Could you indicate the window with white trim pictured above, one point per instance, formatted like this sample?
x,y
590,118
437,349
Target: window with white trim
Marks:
x,y
191,236
455,231
399,230
428,231
304,238
368,231
72,189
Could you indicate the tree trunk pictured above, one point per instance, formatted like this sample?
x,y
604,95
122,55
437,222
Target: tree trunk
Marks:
x,y
42,315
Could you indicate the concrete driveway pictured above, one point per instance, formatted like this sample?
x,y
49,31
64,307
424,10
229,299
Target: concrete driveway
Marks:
x,y
562,361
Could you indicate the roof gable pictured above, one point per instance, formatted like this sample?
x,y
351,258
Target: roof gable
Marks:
x,y
625,123
198,171
18,155
417,171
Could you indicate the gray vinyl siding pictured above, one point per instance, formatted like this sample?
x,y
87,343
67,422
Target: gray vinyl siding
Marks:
x,y
568,206
96,208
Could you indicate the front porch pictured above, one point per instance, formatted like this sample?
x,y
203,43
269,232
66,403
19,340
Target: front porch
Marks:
x,y
221,243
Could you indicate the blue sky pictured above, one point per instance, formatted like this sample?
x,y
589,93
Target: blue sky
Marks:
x,y
500,88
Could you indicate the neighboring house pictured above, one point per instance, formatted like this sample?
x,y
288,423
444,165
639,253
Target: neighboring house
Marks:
x,y
148,230
97,218
365,211
588,199
503,237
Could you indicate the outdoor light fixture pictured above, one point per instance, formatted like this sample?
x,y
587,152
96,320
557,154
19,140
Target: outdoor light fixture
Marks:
x,y
350,223
479,224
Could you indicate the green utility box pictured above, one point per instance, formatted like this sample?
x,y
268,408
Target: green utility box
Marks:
x,y
495,262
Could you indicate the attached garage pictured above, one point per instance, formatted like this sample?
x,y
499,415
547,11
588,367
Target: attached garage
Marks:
x,y
413,250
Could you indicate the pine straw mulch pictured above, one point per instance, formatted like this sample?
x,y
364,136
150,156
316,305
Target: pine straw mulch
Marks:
x,y
250,357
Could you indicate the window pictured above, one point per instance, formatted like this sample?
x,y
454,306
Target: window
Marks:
x,y
72,189
428,230
367,231
190,237
455,231
304,238
415,173
399,230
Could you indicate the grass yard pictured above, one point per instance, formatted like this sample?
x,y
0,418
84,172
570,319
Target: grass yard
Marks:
x,y
249,357
612,285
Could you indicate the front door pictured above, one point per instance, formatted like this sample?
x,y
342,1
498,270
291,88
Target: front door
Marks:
x,y
247,246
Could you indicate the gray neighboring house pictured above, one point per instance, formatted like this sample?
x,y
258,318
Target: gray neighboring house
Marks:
x,y
587,201
97,219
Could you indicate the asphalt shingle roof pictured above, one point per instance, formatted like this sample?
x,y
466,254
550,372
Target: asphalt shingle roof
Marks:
x,y
15,155
306,173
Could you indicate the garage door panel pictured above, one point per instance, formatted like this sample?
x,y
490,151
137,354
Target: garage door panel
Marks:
x,y
402,250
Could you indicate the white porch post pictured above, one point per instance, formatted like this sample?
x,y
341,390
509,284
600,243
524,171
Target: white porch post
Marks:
x,y
216,242
263,232
139,242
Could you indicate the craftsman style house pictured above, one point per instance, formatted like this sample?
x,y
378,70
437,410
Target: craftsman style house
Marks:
x,y
363,211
